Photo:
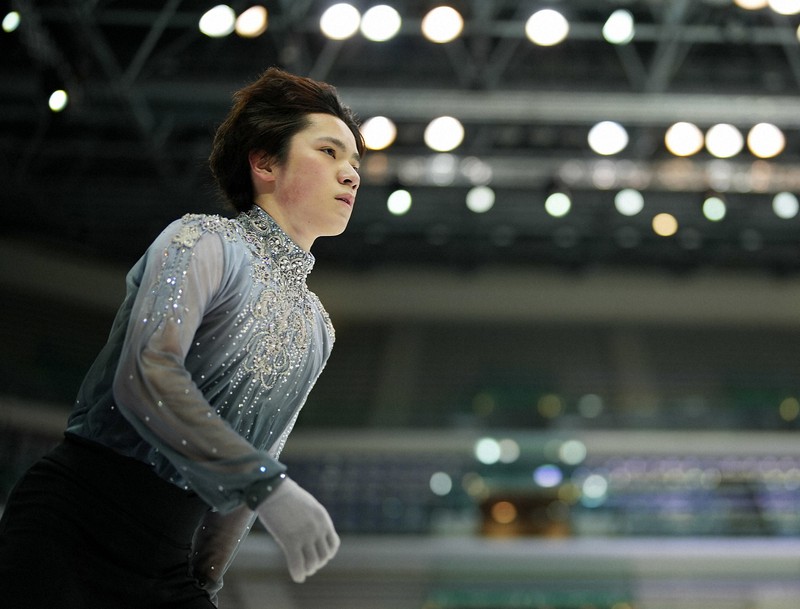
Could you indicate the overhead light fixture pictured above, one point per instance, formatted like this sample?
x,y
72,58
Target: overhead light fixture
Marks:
x,y
340,21
58,100
480,199
665,225
724,141
607,138
785,205
629,202
11,21
714,208
558,204
765,140
546,28
252,22
399,202
684,139
218,22
618,28
379,132
380,23
444,134
785,7
442,24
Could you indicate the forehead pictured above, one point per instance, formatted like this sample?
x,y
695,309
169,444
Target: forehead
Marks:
x,y
329,126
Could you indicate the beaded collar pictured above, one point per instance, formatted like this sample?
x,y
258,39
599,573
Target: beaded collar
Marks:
x,y
293,261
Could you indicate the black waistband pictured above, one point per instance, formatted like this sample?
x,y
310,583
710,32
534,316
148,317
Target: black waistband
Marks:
x,y
132,486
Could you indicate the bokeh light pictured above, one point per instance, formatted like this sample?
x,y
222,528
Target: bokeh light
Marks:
x,y
380,23
340,21
442,24
444,134
665,225
619,27
546,27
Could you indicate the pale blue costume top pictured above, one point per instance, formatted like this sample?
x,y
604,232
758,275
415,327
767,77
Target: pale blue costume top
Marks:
x,y
211,356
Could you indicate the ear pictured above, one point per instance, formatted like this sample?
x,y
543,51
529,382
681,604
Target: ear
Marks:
x,y
261,165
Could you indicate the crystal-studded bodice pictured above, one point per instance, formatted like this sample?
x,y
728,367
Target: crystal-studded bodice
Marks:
x,y
211,356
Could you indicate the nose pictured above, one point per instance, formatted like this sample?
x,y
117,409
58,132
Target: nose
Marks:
x,y
349,176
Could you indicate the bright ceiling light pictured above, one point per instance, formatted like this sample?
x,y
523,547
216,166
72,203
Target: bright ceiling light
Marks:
x,y
629,202
785,7
252,23
11,22
558,204
714,208
766,141
546,27
379,132
608,137
380,23
340,21
480,199
218,22
444,134
750,5
665,225
399,202
684,139
618,28
724,141
785,205
58,100
442,24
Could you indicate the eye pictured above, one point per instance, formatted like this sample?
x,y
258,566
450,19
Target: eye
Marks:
x,y
330,152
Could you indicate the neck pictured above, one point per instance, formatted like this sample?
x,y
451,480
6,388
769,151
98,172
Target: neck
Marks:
x,y
282,220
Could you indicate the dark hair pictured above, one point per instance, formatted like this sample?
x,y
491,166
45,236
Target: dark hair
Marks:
x,y
265,115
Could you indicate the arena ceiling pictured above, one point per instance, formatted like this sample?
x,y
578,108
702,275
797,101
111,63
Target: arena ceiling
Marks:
x,y
147,89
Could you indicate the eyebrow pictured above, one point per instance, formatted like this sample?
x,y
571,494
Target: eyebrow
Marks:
x,y
337,142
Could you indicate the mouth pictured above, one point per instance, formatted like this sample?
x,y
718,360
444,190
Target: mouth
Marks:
x,y
346,199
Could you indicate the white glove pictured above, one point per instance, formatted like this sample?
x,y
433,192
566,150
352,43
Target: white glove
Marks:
x,y
302,528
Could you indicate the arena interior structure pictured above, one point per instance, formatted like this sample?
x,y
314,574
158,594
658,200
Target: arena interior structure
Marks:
x,y
567,333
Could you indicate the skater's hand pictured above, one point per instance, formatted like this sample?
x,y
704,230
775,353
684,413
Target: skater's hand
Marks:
x,y
302,528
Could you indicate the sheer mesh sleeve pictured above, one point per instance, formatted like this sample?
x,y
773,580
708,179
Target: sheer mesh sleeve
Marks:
x,y
152,387
216,543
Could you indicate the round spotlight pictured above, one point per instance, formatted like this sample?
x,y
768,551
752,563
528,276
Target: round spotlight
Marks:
x,y
714,208
785,7
218,22
665,225
766,141
785,205
480,199
379,132
11,22
618,28
58,100
340,21
629,202
607,138
380,23
252,23
442,24
546,27
444,134
724,141
683,139
558,204
399,202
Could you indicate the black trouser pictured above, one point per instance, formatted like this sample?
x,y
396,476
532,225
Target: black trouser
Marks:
x,y
86,528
